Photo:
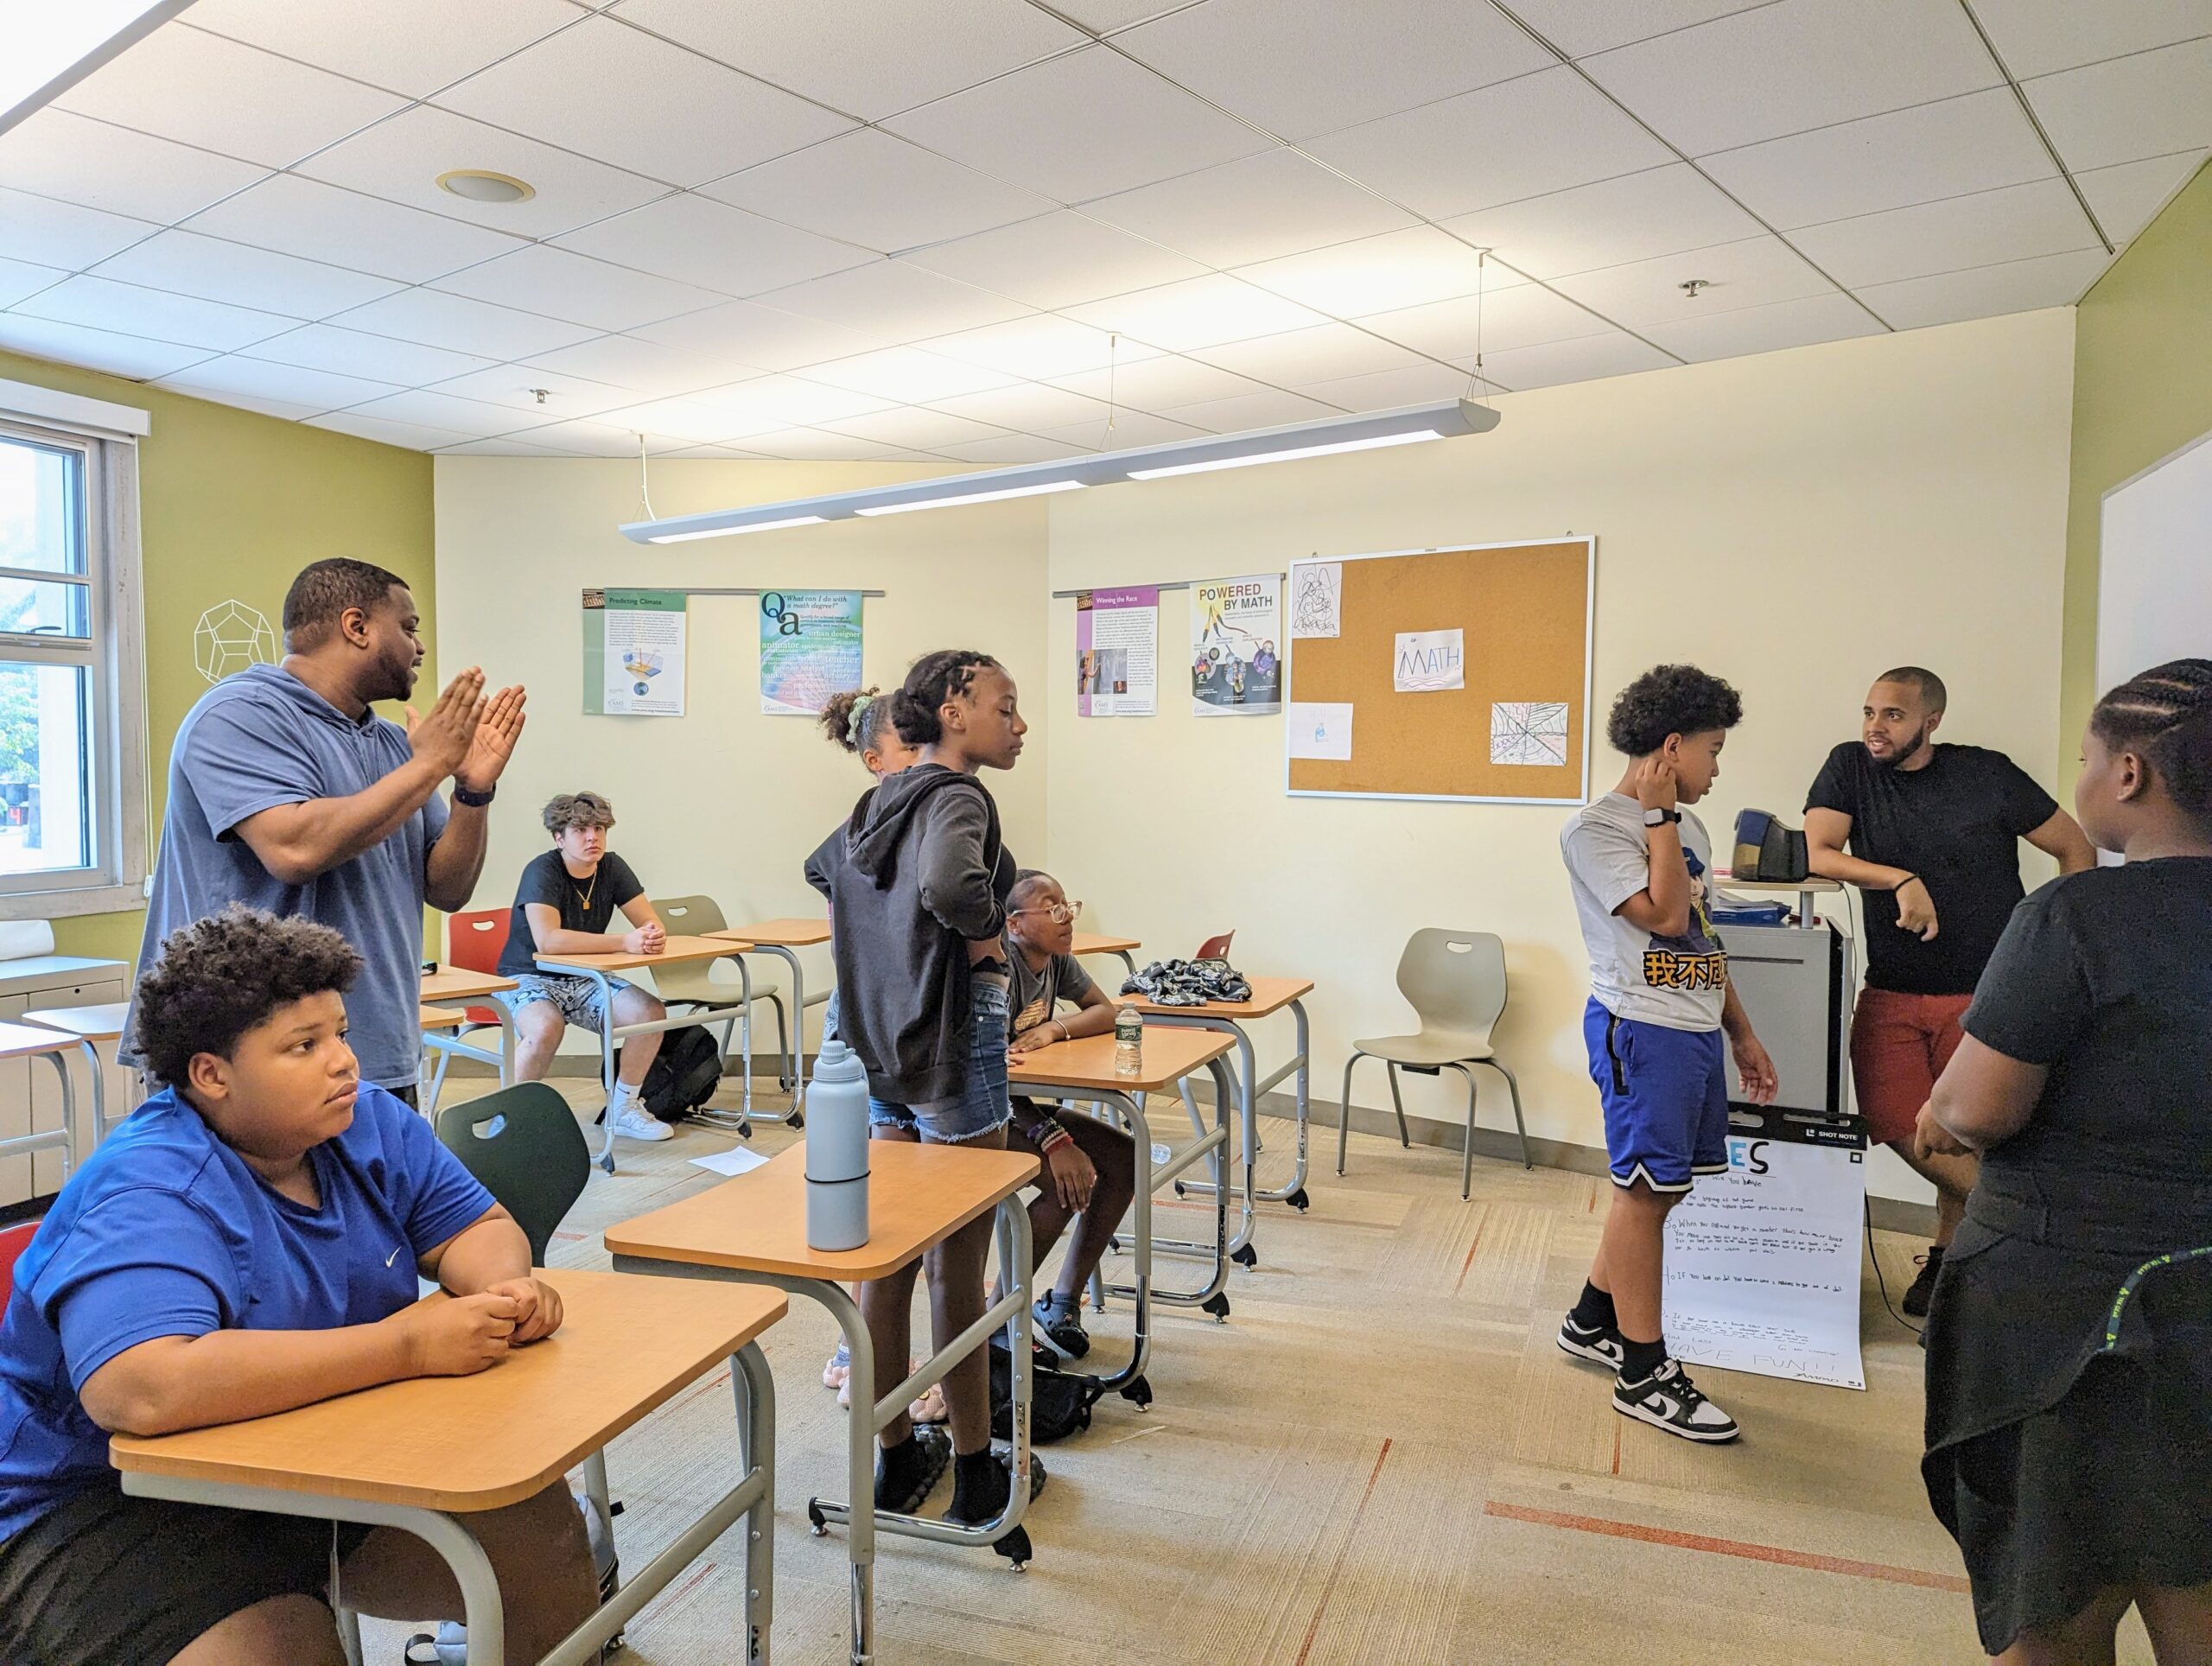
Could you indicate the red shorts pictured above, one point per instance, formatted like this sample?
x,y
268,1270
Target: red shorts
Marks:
x,y
1899,1045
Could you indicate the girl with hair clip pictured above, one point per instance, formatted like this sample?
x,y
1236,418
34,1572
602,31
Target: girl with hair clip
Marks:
x,y
2069,1343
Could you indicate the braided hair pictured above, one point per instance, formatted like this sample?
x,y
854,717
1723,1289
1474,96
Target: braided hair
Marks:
x,y
934,679
2163,716
857,719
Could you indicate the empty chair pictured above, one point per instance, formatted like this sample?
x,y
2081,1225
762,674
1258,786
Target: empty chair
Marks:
x,y
690,984
474,942
1215,948
1455,981
524,1144
14,1240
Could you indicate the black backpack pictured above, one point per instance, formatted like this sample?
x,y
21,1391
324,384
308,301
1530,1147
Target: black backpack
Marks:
x,y
684,1074
1059,1401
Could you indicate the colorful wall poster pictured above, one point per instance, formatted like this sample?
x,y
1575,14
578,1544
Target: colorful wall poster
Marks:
x,y
1234,623
1117,652
809,649
633,652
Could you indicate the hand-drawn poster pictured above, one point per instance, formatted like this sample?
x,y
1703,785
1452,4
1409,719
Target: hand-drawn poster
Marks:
x,y
1528,732
1317,592
1117,652
809,649
1429,662
1235,670
633,652
1320,730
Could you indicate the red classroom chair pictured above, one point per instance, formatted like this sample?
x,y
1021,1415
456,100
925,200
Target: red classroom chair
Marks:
x,y
475,942
1215,948
14,1240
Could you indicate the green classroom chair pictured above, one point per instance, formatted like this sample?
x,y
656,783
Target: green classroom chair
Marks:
x,y
692,983
524,1144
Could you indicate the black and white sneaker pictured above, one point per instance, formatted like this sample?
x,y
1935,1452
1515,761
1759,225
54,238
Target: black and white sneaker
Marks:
x,y
1668,1400
1599,1343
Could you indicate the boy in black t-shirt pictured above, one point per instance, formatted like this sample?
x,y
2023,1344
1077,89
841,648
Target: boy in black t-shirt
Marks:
x,y
564,905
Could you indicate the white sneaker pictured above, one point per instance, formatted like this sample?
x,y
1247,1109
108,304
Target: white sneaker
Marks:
x,y
1668,1400
636,1122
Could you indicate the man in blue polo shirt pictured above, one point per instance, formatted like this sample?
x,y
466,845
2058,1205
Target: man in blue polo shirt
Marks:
x,y
289,794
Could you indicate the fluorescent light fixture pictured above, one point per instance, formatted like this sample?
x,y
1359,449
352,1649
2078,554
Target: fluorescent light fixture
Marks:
x,y
730,532
54,44
972,497
1443,420
1379,441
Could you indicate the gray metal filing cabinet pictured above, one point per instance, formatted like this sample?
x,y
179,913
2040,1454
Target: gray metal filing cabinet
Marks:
x,y
1796,983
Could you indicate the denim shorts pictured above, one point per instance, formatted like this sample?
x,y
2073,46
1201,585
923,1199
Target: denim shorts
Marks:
x,y
575,997
981,1103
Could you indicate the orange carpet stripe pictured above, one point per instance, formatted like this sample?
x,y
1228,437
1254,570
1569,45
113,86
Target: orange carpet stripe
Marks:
x,y
1765,1553
1337,1567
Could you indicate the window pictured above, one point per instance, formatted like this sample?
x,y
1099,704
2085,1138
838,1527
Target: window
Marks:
x,y
73,799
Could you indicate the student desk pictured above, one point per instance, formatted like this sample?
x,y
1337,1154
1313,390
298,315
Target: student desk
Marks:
x,y
781,937
457,986
440,1018
753,1229
26,1041
90,1026
1093,943
599,968
424,1454
1269,995
1083,1069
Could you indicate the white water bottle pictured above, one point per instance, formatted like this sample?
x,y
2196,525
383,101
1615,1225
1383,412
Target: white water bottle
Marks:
x,y
1128,1042
836,1150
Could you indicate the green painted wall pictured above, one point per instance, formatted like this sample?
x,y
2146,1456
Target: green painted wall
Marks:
x,y
231,505
2142,390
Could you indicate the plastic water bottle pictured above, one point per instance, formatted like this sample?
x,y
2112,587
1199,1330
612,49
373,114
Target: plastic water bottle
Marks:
x,y
836,1150
1128,1042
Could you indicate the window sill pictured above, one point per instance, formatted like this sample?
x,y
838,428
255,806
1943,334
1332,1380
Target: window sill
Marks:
x,y
67,902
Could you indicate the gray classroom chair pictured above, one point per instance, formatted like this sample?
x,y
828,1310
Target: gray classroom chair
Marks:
x,y
690,984
1455,981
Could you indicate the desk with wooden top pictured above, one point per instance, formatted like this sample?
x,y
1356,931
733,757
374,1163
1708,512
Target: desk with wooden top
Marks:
x,y
1269,995
424,1454
781,937
29,1042
460,987
1083,1069
90,1026
753,1229
1096,943
600,970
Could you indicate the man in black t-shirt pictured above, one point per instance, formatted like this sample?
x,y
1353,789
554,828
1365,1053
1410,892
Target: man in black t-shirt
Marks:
x,y
1934,835
564,905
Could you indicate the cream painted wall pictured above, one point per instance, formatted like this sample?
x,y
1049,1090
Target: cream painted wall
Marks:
x,y
726,801
1797,521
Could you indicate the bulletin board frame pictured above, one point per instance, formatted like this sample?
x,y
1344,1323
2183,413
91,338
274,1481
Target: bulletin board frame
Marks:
x,y
1581,795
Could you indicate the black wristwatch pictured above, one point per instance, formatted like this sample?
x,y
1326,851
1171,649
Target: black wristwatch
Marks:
x,y
462,795
1655,817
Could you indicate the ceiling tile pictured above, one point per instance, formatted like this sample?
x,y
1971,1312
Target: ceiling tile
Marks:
x,y
1770,329
102,304
1011,448
872,188
2017,286
2037,36
1661,211
544,279
620,95
1156,384
1039,347
1376,274
1272,409
1974,143
916,427
1131,429
891,301
502,448
905,375
411,436
1107,16
401,160
694,418
438,320
183,84
696,241
710,452
1276,203
20,279
431,410
780,401
55,154
236,377
2151,104
61,233
1299,67
592,438
1078,127
302,217
282,409
410,45
869,57
517,388
819,445
1030,406
214,270
1386,389
1319,354
1585,359
767,338
2040,218
1577,28
128,356
1058,259
349,352
638,367
1520,317
1200,312
1544,132
1648,292
2126,197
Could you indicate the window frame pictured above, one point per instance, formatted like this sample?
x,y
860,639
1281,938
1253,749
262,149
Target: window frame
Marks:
x,y
113,659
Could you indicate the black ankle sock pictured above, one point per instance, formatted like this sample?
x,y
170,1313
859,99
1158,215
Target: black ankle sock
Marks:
x,y
1934,1255
1595,1311
898,1468
979,1487
1640,1359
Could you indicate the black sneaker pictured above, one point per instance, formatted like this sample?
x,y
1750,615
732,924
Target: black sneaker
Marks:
x,y
975,1511
1922,1291
1060,1328
1668,1400
1599,1343
905,1493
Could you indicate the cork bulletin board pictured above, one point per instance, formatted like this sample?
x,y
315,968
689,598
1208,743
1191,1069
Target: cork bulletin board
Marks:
x,y
1455,674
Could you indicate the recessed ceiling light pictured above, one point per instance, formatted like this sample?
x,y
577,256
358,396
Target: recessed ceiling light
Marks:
x,y
480,185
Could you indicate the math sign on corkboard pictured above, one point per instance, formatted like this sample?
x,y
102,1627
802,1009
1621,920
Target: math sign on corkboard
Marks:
x,y
1450,673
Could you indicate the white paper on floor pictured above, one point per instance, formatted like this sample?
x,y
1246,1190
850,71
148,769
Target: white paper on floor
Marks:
x,y
736,1161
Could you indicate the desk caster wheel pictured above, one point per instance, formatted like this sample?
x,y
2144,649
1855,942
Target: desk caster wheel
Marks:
x,y
608,1162
1138,1391
796,1119
1217,1305
1179,1190
1114,1243
1015,1546
745,1130
1247,1256
1299,1200
820,1522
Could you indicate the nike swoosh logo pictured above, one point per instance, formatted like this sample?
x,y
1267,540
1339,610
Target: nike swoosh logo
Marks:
x,y
390,1258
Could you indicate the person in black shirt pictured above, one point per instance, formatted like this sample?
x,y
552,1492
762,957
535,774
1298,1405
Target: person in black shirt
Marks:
x,y
2069,1349
1934,835
565,902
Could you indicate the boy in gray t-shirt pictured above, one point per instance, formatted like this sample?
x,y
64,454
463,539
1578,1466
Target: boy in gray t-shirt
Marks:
x,y
1659,1005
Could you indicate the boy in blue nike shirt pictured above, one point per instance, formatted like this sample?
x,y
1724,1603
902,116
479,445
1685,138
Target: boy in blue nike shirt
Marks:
x,y
1660,1002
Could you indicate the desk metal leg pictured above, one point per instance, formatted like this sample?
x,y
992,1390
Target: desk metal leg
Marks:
x,y
1299,1066
68,1144
756,1441
99,1092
